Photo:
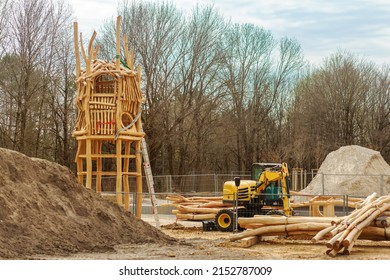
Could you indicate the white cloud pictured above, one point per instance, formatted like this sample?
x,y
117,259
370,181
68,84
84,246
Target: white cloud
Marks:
x,y
91,14
321,27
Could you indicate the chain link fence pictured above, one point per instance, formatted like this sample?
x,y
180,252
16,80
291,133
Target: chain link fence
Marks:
x,y
349,186
166,210
197,183
213,183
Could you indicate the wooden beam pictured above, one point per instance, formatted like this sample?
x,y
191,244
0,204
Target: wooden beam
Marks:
x,y
246,242
126,187
118,43
88,183
138,179
118,189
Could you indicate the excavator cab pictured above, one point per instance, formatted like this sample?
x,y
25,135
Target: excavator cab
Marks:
x,y
272,193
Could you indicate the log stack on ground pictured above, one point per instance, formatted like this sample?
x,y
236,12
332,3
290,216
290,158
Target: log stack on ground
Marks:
x,y
196,208
281,226
368,222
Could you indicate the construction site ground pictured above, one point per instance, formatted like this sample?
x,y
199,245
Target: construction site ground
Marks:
x,y
196,244
46,214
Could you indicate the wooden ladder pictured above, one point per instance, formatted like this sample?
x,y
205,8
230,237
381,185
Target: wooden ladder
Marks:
x,y
149,180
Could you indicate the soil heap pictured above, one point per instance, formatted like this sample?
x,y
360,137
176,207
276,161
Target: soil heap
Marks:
x,y
362,163
43,210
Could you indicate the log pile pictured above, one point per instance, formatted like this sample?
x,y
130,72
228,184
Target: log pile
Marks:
x,y
368,221
260,225
196,208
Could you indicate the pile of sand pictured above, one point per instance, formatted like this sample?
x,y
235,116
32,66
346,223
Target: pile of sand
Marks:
x,y
43,210
365,167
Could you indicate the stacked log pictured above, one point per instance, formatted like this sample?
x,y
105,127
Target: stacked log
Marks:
x,y
281,226
196,208
368,221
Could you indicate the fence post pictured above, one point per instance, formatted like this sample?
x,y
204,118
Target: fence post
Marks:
x,y
301,179
169,177
346,205
215,183
134,199
294,180
382,184
235,212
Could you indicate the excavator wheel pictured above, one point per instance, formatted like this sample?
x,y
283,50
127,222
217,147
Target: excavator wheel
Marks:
x,y
275,212
225,220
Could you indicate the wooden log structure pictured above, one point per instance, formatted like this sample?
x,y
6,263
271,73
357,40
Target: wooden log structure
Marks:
x,y
108,100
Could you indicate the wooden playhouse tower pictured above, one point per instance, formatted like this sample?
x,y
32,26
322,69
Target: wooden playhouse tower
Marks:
x,y
108,128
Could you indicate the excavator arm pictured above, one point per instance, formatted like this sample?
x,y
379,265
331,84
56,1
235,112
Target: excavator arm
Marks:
x,y
269,176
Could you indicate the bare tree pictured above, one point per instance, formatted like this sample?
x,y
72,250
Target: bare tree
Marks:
x,y
246,77
4,10
34,27
377,115
330,107
62,92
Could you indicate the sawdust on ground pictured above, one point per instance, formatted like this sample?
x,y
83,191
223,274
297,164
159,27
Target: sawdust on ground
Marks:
x,y
196,244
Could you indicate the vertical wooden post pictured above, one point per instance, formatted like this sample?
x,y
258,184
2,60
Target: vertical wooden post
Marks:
x,y
118,189
118,116
138,164
118,43
88,183
119,173
138,158
79,161
126,187
98,151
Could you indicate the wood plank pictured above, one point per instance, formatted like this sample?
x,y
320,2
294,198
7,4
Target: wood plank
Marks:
x,y
246,242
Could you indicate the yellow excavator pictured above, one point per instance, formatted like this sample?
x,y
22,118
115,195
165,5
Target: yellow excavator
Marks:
x,y
267,193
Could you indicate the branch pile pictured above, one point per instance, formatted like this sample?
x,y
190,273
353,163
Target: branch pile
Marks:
x,y
196,208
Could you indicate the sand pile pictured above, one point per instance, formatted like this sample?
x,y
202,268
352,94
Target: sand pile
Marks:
x,y
364,165
43,210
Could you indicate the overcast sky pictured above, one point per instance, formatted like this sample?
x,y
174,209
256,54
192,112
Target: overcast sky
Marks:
x,y
321,27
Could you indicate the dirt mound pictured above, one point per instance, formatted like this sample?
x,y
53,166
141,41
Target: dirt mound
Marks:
x,y
43,210
351,170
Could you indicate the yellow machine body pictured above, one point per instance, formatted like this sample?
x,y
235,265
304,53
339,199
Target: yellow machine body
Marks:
x,y
230,190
